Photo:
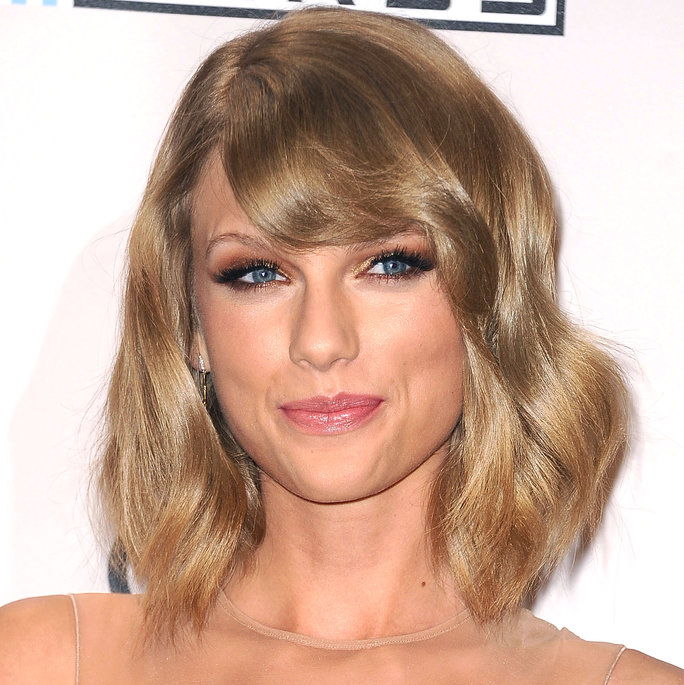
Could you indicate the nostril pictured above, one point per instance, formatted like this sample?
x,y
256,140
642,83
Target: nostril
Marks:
x,y
324,332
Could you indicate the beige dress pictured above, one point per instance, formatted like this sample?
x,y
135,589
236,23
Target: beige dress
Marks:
x,y
236,649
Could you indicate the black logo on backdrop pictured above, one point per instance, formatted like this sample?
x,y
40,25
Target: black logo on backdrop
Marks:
x,y
510,16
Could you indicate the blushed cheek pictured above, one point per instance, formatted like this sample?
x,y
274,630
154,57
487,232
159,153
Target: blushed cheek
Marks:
x,y
238,365
244,359
440,356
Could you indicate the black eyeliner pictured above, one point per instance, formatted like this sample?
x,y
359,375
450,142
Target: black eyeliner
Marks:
x,y
413,258
232,274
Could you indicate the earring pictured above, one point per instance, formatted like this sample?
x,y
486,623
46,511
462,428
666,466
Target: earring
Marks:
x,y
203,378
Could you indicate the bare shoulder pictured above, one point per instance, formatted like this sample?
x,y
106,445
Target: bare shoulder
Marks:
x,y
38,641
107,621
636,668
38,636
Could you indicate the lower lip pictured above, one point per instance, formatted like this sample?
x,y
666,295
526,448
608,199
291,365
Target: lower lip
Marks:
x,y
327,423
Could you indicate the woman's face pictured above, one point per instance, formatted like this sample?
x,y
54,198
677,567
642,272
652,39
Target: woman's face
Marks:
x,y
339,370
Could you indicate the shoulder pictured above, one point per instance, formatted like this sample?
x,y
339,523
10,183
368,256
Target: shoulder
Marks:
x,y
578,660
107,623
38,641
40,636
634,668
104,608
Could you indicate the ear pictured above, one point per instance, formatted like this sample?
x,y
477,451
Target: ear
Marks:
x,y
199,347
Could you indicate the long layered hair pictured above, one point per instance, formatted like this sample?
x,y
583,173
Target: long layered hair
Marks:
x,y
336,126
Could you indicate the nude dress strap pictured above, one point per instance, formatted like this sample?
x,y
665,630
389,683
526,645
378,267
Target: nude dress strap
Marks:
x,y
78,640
612,666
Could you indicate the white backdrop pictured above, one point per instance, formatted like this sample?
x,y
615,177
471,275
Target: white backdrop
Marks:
x,y
85,96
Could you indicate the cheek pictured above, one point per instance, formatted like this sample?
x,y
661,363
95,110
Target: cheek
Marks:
x,y
245,347
431,356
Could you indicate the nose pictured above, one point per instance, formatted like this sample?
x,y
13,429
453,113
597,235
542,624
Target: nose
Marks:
x,y
324,330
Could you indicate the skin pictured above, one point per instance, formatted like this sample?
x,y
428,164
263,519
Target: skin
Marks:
x,y
345,554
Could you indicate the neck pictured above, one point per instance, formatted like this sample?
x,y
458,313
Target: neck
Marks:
x,y
351,570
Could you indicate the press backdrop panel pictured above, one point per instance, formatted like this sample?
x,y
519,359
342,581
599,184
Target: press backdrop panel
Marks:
x,y
86,93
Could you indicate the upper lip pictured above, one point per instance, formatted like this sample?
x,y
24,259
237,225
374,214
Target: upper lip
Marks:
x,y
339,402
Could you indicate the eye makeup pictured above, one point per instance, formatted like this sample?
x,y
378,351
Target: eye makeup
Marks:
x,y
399,264
232,275
415,261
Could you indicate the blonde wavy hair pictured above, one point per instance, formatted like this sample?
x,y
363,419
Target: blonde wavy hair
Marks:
x,y
336,126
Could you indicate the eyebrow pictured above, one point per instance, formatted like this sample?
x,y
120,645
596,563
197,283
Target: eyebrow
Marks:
x,y
258,243
248,240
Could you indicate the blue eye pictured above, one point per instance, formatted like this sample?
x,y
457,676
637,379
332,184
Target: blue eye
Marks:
x,y
390,267
261,275
399,264
251,275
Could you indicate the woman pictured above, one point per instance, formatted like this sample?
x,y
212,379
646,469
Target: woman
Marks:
x,y
348,430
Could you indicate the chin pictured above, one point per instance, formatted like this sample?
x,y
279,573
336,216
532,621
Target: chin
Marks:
x,y
329,483
338,483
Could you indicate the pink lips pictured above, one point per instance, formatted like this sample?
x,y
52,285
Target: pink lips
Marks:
x,y
324,415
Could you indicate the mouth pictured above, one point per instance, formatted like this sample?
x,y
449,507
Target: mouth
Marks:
x,y
328,415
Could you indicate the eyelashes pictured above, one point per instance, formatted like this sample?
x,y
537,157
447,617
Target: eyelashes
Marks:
x,y
394,265
259,268
415,262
